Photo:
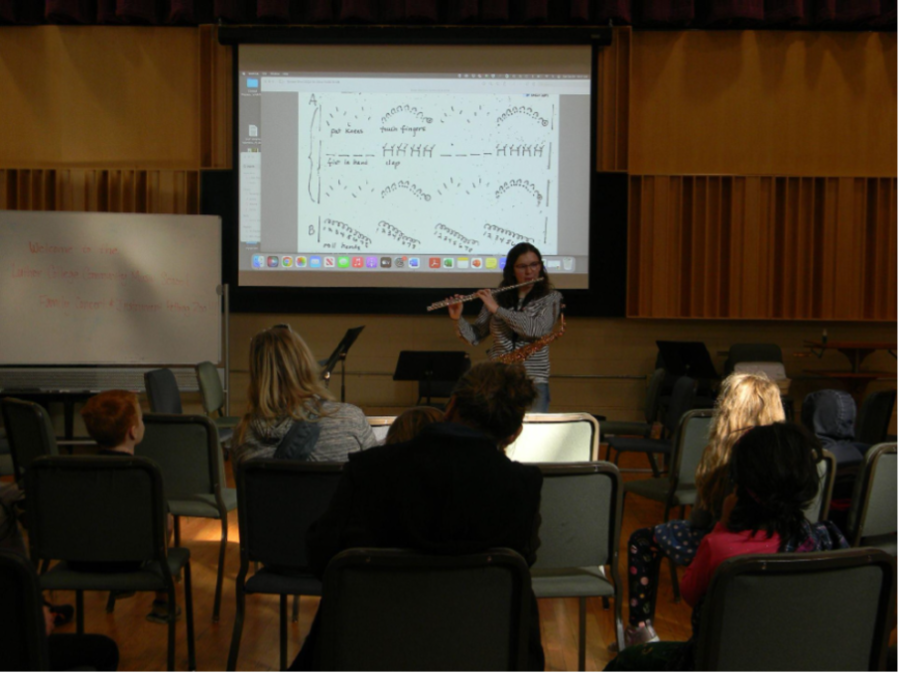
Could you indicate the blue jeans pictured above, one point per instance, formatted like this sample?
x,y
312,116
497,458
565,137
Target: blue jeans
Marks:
x,y
542,402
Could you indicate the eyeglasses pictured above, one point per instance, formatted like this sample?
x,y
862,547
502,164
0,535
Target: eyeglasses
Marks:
x,y
526,267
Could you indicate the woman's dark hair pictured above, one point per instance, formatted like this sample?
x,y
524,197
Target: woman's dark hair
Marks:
x,y
510,300
774,470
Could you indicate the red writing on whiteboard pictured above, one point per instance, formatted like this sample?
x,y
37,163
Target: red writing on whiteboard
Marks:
x,y
25,272
48,302
172,281
36,247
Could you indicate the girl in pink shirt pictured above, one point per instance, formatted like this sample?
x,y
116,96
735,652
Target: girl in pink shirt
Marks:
x,y
773,470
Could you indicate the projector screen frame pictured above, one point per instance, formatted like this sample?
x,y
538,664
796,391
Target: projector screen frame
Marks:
x,y
604,297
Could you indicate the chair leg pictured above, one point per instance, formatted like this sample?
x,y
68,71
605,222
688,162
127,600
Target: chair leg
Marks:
x,y
111,602
218,602
240,605
177,530
79,611
675,589
654,466
44,566
295,611
189,617
605,603
283,631
170,624
582,629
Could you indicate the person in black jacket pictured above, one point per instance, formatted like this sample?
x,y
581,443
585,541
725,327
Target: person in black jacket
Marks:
x,y
452,490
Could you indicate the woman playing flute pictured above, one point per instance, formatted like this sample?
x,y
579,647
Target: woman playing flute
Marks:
x,y
515,319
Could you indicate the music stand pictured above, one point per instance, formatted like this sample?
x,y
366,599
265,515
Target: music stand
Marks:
x,y
340,354
429,366
690,359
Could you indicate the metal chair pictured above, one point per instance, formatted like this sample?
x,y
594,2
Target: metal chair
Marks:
x,y
643,429
553,438
380,426
581,517
875,416
213,396
682,400
29,432
106,509
678,489
873,514
23,637
162,392
400,610
827,467
800,611
278,500
186,449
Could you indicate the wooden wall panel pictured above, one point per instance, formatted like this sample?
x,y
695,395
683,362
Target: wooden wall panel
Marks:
x,y
763,103
101,190
107,96
215,100
763,247
613,98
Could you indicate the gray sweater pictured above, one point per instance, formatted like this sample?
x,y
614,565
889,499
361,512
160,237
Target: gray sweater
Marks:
x,y
345,430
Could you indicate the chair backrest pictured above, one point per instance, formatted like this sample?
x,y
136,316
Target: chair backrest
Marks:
x,y
29,432
401,610
691,439
752,352
875,416
96,509
380,426
162,391
799,611
654,391
23,639
210,387
186,449
581,515
682,400
826,467
551,438
277,502
873,513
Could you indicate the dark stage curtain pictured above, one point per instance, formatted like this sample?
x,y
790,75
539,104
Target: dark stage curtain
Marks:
x,y
651,14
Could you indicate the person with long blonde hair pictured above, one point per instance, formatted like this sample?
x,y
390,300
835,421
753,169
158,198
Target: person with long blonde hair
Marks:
x,y
745,401
290,414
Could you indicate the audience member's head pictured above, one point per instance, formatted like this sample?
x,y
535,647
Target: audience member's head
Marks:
x,y
773,469
493,398
114,419
411,422
284,377
745,401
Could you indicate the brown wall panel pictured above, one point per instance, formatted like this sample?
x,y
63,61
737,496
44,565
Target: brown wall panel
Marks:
x,y
109,96
763,102
101,190
763,247
613,97
215,100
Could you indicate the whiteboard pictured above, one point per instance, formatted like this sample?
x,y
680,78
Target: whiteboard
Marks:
x,y
109,288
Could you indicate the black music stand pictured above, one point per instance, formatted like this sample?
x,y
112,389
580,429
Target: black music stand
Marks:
x,y
340,354
431,366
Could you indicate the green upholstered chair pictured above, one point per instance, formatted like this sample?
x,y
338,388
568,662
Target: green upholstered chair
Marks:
x,y
213,396
106,509
812,611
872,520
29,432
186,449
23,638
278,500
581,517
402,610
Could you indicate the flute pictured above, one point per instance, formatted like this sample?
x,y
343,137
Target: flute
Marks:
x,y
466,298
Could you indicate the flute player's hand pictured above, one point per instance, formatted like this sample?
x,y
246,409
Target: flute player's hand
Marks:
x,y
487,297
455,310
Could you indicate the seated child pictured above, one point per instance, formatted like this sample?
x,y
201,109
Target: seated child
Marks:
x,y
411,422
773,469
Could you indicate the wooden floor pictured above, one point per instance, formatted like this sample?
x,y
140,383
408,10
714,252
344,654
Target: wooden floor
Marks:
x,y
142,644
